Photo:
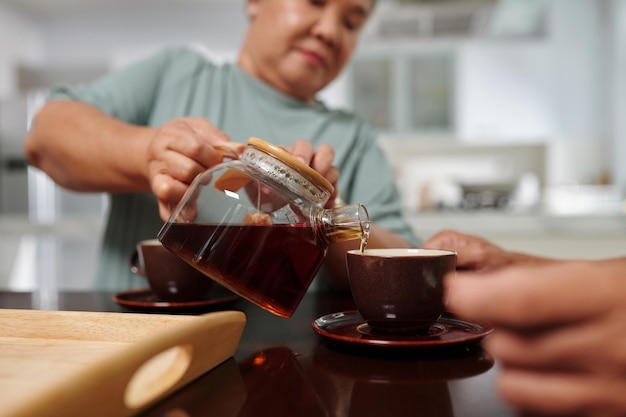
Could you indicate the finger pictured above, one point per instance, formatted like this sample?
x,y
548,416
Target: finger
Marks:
x,y
528,296
197,150
479,255
563,393
204,142
441,239
172,192
168,190
332,175
335,199
322,160
207,130
236,148
165,210
303,150
180,167
588,346
473,252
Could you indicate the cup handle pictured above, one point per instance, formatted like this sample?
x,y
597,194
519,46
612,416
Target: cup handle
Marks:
x,y
135,268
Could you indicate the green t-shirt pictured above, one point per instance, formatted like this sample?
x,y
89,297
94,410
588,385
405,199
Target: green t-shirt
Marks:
x,y
179,82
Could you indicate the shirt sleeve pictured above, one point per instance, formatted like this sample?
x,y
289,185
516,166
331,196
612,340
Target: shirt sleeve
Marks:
x,y
127,94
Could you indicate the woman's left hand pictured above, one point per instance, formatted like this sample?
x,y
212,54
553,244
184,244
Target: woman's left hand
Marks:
x,y
320,160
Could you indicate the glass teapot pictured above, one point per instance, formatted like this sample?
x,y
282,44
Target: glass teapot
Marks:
x,y
257,225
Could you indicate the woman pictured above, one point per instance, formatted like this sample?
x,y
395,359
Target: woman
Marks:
x,y
143,134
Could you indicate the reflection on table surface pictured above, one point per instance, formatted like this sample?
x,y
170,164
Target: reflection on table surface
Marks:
x,y
279,382
283,368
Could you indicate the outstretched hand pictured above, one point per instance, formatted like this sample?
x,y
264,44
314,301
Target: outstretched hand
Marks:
x,y
560,333
473,252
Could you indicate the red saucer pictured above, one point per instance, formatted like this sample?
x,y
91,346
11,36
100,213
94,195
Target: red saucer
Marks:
x,y
349,327
144,300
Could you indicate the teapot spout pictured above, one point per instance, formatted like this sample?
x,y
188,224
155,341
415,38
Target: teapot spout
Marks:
x,y
344,223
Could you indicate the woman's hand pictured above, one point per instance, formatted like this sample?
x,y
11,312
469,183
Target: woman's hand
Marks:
x,y
179,151
320,160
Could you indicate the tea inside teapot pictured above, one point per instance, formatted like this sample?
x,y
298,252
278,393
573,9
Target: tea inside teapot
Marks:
x,y
257,226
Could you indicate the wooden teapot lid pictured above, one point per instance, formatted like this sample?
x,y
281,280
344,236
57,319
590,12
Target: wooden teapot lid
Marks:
x,y
293,162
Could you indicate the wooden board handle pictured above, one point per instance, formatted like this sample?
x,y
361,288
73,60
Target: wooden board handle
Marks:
x,y
136,377
157,376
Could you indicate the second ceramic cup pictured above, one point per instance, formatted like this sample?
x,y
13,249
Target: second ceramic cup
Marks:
x,y
399,291
169,277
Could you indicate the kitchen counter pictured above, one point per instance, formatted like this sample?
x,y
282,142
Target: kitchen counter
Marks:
x,y
501,222
540,233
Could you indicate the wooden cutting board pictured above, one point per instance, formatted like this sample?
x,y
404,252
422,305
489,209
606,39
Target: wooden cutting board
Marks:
x,y
63,363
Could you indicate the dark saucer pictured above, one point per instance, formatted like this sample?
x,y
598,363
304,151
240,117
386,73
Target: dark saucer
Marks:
x,y
349,327
144,300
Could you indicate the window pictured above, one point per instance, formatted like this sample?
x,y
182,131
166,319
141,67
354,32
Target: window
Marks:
x,y
430,100
372,92
405,92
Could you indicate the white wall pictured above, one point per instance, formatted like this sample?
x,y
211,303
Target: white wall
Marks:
x,y
618,97
530,89
549,90
114,37
503,91
19,42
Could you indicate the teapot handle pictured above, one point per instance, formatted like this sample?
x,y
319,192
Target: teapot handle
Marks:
x,y
228,152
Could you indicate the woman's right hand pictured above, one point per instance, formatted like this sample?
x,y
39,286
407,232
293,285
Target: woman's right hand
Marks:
x,y
179,151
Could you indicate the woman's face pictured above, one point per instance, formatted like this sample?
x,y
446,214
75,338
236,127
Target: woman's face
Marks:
x,y
300,46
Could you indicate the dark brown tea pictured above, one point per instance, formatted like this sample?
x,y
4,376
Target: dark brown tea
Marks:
x,y
269,265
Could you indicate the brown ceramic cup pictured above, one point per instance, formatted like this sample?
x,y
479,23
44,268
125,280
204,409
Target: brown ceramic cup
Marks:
x,y
399,291
169,277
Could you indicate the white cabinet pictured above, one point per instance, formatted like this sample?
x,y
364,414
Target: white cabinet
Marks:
x,y
401,91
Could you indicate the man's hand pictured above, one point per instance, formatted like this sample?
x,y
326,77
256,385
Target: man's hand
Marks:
x,y
560,333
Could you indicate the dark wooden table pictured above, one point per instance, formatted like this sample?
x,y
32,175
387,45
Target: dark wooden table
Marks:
x,y
283,368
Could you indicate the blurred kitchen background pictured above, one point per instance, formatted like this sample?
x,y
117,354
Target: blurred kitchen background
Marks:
x,y
503,118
